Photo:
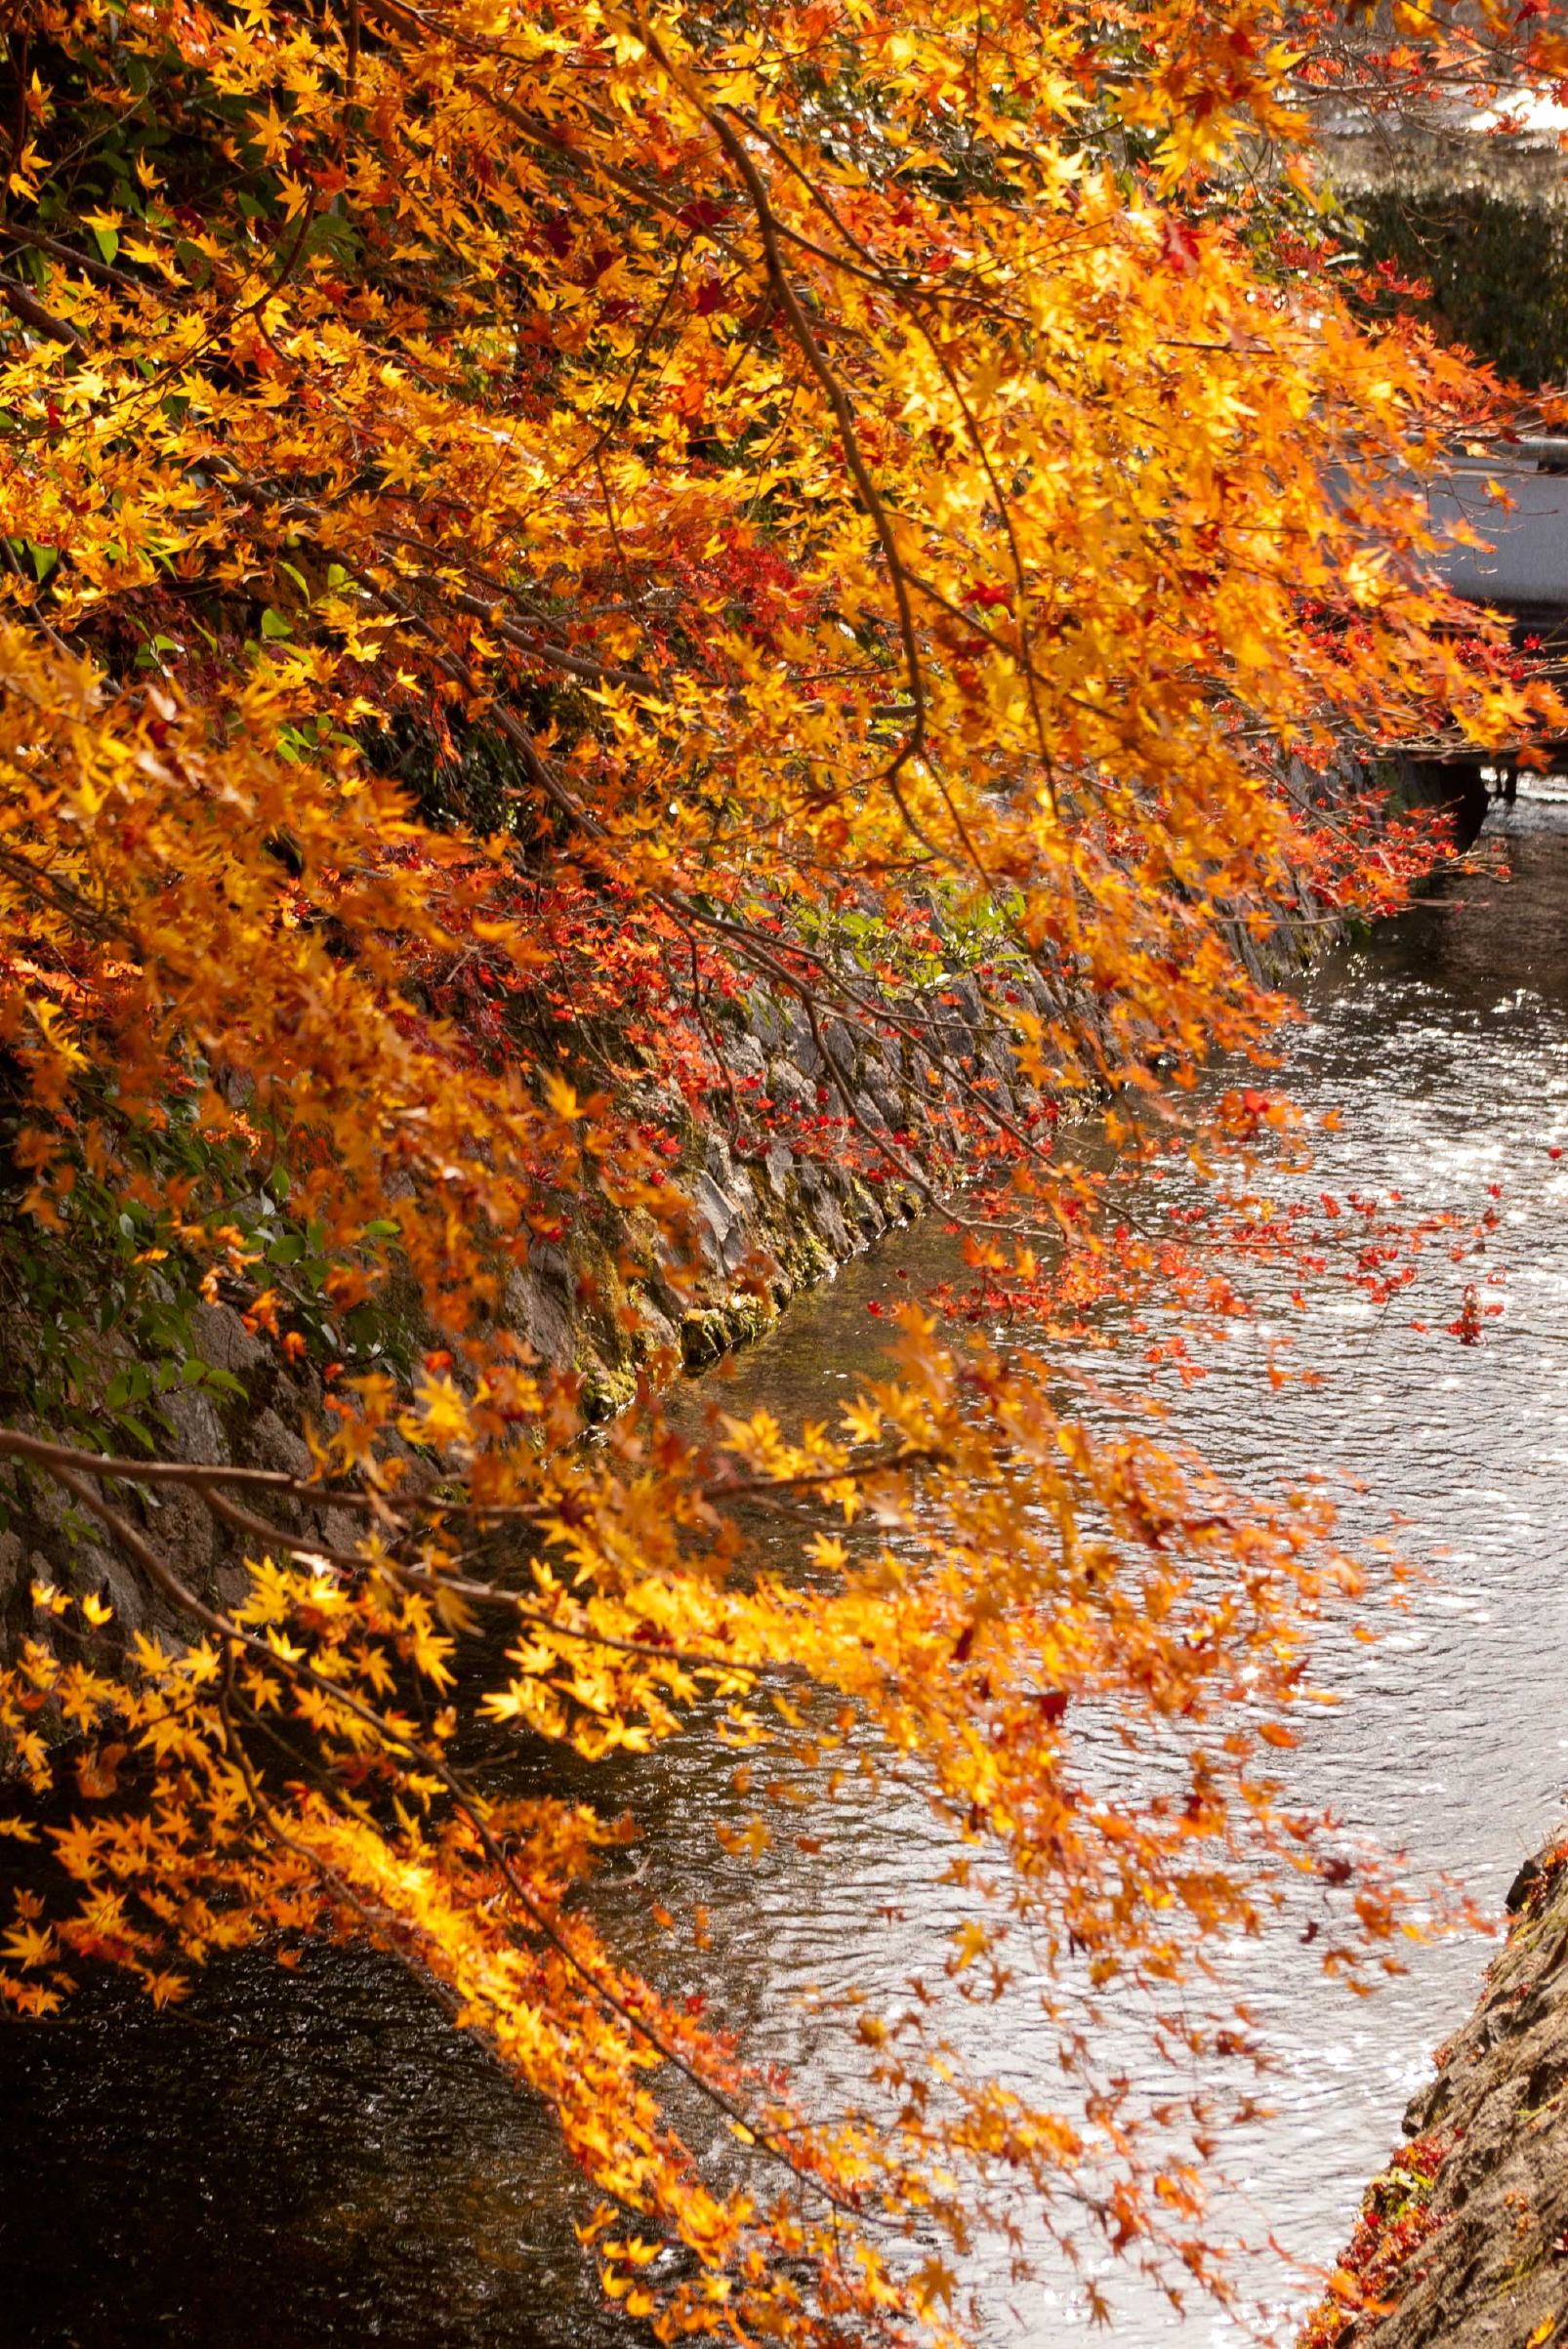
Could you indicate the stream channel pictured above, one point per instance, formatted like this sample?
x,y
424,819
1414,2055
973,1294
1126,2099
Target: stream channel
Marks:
x,y
314,2157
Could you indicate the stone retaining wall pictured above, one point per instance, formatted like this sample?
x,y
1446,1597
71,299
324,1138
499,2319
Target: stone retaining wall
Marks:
x,y
772,1219
769,1223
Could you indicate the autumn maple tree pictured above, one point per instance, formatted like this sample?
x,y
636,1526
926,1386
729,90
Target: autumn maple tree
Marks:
x,y
521,523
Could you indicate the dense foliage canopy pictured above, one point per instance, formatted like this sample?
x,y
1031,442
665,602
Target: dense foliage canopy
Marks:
x,y
525,525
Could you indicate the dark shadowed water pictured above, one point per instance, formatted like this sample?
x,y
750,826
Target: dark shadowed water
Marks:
x,y
314,2158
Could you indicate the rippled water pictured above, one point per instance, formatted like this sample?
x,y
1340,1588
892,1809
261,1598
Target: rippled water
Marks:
x,y
315,2159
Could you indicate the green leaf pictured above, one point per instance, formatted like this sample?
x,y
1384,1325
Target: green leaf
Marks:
x,y
287,1250
273,624
384,1228
108,241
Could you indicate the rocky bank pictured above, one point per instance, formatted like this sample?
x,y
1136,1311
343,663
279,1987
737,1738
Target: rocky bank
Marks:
x,y
1463,2238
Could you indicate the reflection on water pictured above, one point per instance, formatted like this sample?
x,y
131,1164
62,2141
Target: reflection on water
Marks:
x,y
314,2157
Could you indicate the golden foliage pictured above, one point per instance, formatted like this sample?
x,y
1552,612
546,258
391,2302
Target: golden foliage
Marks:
x,y
851,458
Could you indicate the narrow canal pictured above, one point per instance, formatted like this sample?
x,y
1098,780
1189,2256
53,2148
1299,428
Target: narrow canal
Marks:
x,y
315,2158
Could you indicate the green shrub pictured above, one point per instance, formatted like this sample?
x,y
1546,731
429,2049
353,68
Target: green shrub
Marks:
x,y
1497,267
